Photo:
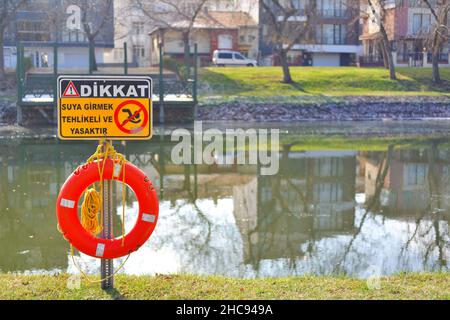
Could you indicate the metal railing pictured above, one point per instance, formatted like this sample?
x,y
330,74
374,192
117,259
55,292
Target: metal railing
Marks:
x,y
333,13
443,57
371,60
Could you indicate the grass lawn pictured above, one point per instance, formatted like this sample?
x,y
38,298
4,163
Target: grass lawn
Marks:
x,y
338,142
264,82
404,286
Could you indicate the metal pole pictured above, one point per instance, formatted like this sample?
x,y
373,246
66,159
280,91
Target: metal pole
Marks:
x,y
20,80
55,81
161,83
107,265
125,55
195,84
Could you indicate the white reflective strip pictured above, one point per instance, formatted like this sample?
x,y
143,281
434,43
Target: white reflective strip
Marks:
x,y
100,250
148,217
67,203
117,169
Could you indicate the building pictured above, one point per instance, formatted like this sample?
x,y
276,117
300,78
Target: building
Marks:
x,y
42,24
231,30
333,41
131,26
408,24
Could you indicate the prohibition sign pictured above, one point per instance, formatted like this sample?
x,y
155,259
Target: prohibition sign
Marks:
x,y
122,125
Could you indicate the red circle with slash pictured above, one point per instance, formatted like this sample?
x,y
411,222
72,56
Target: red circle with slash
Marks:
x,y
121,125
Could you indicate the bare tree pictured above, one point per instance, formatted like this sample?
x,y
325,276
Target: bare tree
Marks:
x,y
8,9
285,29
175,15
380,5
95,15
440,33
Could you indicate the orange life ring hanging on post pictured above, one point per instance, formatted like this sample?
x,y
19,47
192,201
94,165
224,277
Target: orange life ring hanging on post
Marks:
x,y
80,238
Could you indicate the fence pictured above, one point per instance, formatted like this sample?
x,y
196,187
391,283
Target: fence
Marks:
x,y
37,86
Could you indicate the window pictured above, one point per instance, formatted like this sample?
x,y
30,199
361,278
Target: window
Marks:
x,y
416,174
300,5
74,36
327,192
138,28
421,23
331,34
237,56
28,30
225,56
329,167
331,8
138,51
421,4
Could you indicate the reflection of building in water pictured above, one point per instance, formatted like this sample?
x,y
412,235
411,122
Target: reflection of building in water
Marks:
x,y
405,187
416,182
310,198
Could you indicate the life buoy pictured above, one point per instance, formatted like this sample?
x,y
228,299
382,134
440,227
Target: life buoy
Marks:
x,y
67,210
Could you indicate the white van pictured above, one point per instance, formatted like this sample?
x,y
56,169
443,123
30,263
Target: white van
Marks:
x,y
222,58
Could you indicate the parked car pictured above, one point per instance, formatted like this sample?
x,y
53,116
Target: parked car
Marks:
x,y
222,58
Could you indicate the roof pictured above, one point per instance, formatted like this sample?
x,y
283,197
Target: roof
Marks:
x,y
232,19
215,20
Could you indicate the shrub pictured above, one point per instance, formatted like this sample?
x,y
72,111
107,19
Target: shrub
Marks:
x,y
27,63
175,66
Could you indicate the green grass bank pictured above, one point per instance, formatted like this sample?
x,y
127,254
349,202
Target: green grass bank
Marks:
x,y
403,286
264,82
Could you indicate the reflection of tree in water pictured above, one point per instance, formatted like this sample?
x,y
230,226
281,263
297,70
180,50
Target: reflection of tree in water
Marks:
x,y
203,244
289,219
196,231
385,216
30,177
430,232
372,205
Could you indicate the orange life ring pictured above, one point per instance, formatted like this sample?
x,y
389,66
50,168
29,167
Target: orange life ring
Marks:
x,y
67,210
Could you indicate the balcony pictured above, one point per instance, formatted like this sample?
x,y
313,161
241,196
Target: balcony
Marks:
x,y
333,13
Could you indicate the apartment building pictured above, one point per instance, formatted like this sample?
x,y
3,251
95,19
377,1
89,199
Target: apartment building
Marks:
x,y
333,41
408,24
41,24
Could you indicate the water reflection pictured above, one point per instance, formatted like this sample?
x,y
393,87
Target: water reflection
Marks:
x,y
325,212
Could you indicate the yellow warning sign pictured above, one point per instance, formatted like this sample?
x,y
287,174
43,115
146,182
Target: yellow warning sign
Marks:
x,y
93,107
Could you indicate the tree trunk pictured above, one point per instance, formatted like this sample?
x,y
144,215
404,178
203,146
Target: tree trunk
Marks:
x,y
435,58
384,54
436,74
92,59
388,53
284,64
2,62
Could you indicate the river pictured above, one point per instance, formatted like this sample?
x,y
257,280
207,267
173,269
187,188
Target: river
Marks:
x,y
357,212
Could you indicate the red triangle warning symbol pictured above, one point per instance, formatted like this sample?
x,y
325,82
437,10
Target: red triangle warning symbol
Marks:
x,y
71,91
